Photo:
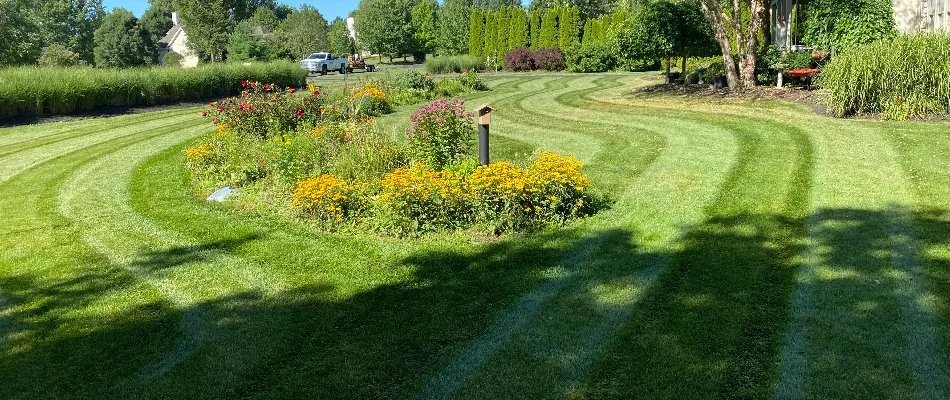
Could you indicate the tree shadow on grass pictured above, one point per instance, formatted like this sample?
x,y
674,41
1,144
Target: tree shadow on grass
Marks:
x,y
178,255
711,326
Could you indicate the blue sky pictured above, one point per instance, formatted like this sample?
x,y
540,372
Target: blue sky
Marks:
x,y
329,8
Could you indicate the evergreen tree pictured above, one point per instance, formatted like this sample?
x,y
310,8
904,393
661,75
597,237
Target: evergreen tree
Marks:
x,y
121,43
157,20
490,35
243,46
501,31
548,35
535,28
568,30
518,29
264,17
454,27
476,28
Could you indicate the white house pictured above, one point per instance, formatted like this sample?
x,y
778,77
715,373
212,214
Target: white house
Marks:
x,y
177,40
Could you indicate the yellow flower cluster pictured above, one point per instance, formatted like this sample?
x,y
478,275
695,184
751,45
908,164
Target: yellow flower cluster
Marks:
x,y
550,168
420,182
369,89
325,195
501,180
198,152
222,130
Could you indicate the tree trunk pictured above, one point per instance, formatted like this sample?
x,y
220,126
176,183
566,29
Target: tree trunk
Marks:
x,y
747,58
683,71
668,79
715,17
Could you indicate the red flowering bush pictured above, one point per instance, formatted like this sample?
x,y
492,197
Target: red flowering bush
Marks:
x,y
441,133
520,59
265,110
549,59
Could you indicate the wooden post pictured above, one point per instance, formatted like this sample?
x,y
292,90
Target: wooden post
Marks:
x,y
484,120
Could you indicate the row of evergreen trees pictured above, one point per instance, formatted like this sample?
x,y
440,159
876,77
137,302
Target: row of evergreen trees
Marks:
x,y
494,33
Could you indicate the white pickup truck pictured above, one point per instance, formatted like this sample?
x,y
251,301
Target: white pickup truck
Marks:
x,y
323,62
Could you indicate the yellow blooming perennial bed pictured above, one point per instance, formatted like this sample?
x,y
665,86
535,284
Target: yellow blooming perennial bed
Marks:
x,y
324,158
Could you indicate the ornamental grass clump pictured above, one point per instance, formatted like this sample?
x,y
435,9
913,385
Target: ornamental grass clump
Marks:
x,y
441,133
900,78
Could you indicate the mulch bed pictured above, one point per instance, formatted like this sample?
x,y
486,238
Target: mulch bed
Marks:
x,y
813,99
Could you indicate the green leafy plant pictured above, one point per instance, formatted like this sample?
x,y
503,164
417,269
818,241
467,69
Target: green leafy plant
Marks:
x,y
441,133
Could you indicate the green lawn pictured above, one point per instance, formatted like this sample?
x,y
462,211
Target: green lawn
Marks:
x,y
752,250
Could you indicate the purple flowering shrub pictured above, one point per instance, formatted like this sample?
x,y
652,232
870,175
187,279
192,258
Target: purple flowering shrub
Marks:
x,y
441,133
549,59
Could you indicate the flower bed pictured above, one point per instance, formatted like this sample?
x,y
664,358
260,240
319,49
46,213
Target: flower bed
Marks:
x,y
323,158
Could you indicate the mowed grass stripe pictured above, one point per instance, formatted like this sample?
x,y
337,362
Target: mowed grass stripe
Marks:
x,y
854,321
15,143
63,293
636,269
18,162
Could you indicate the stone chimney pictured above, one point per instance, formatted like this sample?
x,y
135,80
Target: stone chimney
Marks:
x,y
176,20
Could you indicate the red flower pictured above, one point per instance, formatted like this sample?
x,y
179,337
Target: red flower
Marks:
x,y
249,106
299,112
316,92
243,83
292,90
204,113
215,121
220,109
266,86
211,104
241,106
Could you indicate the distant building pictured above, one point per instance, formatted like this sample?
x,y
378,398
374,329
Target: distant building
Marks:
x,y
910,16
176,40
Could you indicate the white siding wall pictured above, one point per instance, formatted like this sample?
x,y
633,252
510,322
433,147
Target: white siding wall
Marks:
x,y
180,46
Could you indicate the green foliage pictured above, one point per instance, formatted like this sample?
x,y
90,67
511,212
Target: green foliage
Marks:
x,y
568,27
491,36
900,77
264,17
847,24
424,30
71,23
548,37
518,29
243,46
535,29
29,91
476,39
591,57
21,42
663,29
57,55
172,59
454,24
122,43
454,64
209,26
339,40
413,79
303,32
385,26
157,20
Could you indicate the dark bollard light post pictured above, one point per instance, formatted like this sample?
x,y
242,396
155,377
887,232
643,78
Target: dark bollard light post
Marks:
x,y
484,119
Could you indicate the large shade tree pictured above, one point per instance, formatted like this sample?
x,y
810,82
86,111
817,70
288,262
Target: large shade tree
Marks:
x,y
453,26
385,26
737,25
304,32
121,43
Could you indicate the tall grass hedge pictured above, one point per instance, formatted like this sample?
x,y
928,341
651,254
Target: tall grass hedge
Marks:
x,y
902,77
454,64
35,91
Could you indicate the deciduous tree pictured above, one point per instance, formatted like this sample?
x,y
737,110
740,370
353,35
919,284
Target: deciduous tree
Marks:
x,y
209,26
423,25
121,43
339,39
454,24
745,31
303,32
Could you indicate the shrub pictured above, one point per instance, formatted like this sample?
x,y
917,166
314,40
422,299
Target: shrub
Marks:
x,y
57,55
328,198
441,133
449,88
369,99
418,199
265,110
520,59
413,79
454,64
549,59
592,57
172,59
27,91
901,77
472,81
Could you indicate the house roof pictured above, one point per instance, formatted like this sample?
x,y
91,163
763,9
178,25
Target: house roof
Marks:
x,y
170,36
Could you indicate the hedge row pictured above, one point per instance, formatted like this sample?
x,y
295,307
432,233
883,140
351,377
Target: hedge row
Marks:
x,y
35,91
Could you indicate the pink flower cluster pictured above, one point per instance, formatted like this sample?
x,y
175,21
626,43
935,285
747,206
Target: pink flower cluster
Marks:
x,y
439,112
